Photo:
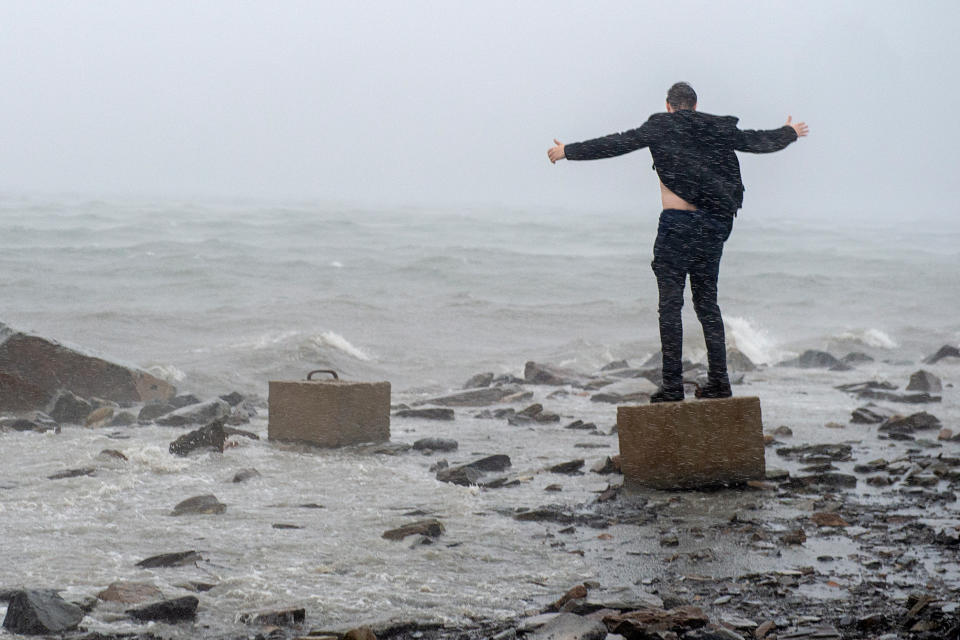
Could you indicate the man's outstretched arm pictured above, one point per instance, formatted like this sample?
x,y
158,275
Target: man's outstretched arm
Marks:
x,y
770,140
616,144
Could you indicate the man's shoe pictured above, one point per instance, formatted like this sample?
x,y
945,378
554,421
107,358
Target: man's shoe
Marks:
x,y
664,395
714,390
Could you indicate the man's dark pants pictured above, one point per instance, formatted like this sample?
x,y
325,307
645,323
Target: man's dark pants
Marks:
x,y
690,243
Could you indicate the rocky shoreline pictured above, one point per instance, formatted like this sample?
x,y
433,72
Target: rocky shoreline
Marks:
x,y
855,539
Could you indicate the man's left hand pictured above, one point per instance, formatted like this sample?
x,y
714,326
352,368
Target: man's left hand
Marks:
x,y
556,153
800,127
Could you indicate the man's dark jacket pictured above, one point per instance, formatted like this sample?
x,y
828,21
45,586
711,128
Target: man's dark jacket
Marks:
x,y
693,154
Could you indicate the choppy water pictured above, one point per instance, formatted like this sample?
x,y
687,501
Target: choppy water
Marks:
x,y
226,297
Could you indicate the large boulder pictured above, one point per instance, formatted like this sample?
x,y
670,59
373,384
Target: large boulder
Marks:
x,y
33,370
35,612
812,359
537,373
946,351
924,381
169,611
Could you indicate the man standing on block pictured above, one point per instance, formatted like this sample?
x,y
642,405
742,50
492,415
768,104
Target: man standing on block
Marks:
x,y
694,156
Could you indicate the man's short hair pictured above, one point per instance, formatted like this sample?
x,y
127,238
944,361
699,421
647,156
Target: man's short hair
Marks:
x,y
682,96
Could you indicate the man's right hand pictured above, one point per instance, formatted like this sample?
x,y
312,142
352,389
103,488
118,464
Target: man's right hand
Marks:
x,y
800,127
556,153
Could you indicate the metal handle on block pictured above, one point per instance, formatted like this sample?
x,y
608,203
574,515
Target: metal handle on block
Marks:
x,y
330,371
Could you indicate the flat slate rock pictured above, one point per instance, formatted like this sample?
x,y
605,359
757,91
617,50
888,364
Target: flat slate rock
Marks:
x,y
202,413
537,373
569,626
36,612
430,528
811,451
176,559
73,473
474,397
276,618
205,504
436,413
211,437
435,444
130,592
170,611
496,462
946,351
915,422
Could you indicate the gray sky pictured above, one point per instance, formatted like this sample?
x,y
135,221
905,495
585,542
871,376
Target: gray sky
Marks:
x,y
455,103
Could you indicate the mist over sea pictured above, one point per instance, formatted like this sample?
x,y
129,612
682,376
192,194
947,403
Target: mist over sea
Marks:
x,y
217,297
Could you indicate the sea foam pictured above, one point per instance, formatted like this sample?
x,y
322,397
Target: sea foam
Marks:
x,y
755,342
337,341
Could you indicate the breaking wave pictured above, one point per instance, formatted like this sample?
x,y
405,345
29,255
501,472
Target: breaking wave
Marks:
x,y
869,338
753,341
337,341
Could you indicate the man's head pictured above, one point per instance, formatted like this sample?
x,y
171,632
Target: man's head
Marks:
x,y
681,96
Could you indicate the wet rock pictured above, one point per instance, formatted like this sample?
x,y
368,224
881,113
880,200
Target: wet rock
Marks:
x,y
855,358
712,632
112,454
857,387
915,422
679,620
285,525
738,361
946,351
169,611
98,417
37,421
924,381
130,592
776,475
473,397
841,366
381,448
818,452
827,519
479,381
154,410
569,626
36,612
904,398
245,474
947,435
571,467
73,473
232,431
277,618
122,419
872,466
184,400
205,504
177,559
435,413
497,462
519,396
436,444
827,480
607,465
461,475
797,536
631,390
360,633
870,414
70,408
537,373
210,438
201,413
430,528
38,369
580,424
811,359
233,398
783,431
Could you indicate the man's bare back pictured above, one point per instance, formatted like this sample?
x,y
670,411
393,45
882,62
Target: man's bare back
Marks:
x,y
673,201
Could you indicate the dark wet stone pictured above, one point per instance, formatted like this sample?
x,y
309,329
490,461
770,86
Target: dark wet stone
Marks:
x,y
872,466
462,475
474,397
738,361
607,465
177,559
435,413
245,474
571,467
205,504
615,365
855,358
112,453
811,359
129,592
903,398
479,381
276,618
285,525
232,431
210,437
811,452
856,387
233,398
580,424
430,528
36,612
946,351
827,479
33,421
500,483
497,462
184,400
841,366
122,419
436,444
924,381
169,611
151,412
870,414
70,408
73,473
915,422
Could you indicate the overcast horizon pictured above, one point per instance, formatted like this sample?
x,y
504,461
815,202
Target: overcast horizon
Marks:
x,y
455,104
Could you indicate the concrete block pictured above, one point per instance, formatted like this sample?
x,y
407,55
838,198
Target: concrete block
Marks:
x,y
329,413
690,444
